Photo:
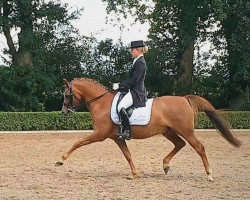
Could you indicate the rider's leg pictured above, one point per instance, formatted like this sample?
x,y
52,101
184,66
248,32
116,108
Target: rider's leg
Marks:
x,y
126,102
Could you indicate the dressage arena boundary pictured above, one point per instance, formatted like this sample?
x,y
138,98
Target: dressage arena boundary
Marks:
x,y
90,131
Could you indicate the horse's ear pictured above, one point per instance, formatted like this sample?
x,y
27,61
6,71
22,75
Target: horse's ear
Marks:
x,y
66,83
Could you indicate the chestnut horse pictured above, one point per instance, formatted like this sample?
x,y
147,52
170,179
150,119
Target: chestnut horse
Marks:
x,y
172,116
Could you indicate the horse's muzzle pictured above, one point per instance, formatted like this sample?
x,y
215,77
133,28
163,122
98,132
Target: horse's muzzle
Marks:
x,y
66,111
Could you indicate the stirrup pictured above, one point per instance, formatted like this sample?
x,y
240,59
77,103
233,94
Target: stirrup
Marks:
x,y
126,135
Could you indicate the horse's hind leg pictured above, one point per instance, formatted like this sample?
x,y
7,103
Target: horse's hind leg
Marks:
x,y
178,142
124,148
200,149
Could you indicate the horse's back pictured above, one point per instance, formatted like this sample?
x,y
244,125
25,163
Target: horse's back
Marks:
x,y
171,110
172,104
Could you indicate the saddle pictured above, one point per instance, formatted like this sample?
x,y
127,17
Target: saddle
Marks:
x,y
137,116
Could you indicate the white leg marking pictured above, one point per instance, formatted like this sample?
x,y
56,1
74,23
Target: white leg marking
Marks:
x,y
210,176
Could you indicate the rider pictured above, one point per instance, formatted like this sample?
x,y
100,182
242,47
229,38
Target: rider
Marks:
x,y
136,93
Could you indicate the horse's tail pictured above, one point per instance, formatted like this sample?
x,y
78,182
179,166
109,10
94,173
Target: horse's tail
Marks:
x,y
201,104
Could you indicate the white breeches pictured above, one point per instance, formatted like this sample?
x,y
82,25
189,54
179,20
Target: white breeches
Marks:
x,y
126,102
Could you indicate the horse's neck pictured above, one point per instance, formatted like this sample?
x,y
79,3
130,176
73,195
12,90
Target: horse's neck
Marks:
x,y
90,89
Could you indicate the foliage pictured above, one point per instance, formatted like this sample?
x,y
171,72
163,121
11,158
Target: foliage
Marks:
x,y
53,50
112,62
237,120
175,25
29,19
57,52
40,87
28,121
173,32
230,39
19,87
65,59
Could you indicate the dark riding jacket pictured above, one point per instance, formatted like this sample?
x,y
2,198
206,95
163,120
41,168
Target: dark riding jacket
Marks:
x,y
136,83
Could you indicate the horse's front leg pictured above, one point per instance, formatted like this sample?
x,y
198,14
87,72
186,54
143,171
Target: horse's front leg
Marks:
x,y
124,148
88,139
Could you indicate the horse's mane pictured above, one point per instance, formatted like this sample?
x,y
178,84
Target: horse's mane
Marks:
x,y
91,80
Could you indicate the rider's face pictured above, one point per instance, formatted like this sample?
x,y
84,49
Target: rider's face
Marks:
x,y
134,52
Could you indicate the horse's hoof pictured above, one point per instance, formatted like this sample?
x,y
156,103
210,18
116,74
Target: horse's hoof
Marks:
x,y
132,177
58,164
210,178
166,169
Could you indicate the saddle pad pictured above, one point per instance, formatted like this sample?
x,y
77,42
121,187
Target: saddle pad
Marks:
x,y
140,116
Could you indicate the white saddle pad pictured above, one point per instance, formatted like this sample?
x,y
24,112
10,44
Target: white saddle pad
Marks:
x,y
140,116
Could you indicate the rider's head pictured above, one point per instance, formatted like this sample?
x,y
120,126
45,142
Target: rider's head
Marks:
x,y
138,48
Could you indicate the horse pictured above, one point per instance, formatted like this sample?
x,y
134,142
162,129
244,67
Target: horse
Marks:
x,y
171,116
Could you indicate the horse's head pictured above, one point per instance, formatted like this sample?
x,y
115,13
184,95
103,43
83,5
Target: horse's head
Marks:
x,y
71,98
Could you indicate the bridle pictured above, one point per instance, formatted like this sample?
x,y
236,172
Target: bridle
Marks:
x,y
71,107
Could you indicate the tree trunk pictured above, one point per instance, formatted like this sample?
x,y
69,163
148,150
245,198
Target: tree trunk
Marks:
x,y
185,80
22,58
187,37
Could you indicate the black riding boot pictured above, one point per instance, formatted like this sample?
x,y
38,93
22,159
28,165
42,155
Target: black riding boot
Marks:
x,y
125,131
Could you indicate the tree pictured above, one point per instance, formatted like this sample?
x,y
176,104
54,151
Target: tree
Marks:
x,y
28,17
65,56
234,22
112,62
40,87
177,27
57,52
19,88
173,32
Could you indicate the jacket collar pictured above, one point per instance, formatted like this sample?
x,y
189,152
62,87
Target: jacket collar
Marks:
x,y
137,59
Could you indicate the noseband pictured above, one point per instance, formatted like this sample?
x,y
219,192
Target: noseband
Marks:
x,y
73,108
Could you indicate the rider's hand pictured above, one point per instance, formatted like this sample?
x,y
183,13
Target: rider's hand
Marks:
x,y
115,86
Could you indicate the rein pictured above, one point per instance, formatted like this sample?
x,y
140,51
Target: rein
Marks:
x,y
96,98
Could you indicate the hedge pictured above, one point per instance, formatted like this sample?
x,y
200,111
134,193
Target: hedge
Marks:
x,y
237,119
32,121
